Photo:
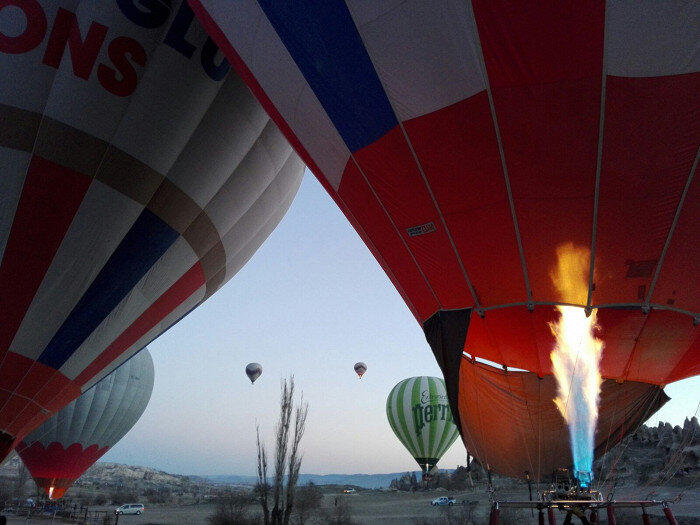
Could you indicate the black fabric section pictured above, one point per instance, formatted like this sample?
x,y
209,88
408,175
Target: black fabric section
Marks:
x,y
646,406
446,332
6,441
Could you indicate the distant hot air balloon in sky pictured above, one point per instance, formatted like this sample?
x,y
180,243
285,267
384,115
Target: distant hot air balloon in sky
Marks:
x,y
253,371
468,141
419,414
360,369
139,174
66,445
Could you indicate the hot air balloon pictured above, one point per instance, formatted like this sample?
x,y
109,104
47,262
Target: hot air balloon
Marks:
x,y
468,141
253,371
138,176
360,368
66,445
419,414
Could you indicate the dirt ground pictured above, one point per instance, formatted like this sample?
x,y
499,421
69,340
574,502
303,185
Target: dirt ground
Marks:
x,y
399,508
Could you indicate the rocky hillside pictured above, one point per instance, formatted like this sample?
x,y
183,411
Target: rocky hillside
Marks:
x,y
656,456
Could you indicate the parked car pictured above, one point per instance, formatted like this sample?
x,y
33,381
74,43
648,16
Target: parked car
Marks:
x,y
442,500
130,508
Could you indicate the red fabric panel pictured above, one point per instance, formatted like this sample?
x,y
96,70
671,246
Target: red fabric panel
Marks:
x,y
395,259
392,172
56,466
667,336
637,347
35,379
30,393
650,142
678,285
173,297
50,198
513,336
10,411
550,138
540,42
510,423
619,329
57,392
688,365
544,63
463,166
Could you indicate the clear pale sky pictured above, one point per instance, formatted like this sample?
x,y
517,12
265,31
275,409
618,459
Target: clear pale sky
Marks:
x,y
311,302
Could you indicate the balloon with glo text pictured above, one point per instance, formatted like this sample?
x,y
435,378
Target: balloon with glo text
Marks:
x,y
139,174
253,371
464,172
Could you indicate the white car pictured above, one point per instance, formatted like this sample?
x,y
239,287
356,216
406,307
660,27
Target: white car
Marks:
x,y
130,508
442,500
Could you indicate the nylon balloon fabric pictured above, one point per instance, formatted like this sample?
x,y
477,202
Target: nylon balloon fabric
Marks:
x,y
71,441
511,425
139,174
467,142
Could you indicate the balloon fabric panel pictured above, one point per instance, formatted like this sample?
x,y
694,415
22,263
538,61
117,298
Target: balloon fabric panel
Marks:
x,y
560,124
114,110
511,425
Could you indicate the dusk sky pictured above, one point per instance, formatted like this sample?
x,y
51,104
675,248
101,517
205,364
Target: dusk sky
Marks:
x,y
311,302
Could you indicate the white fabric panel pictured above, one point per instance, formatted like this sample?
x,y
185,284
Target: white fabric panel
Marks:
x,y
649,38
95,401
261,49
103,219
170,267
140,389
13,171
163,112
129,407
244,239
85,104
231,125
117,393
407,410
189,303
437,63
104,414
132,385
248,182
30,83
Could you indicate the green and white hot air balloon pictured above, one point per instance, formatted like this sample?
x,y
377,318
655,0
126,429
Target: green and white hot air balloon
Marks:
x,y
419,414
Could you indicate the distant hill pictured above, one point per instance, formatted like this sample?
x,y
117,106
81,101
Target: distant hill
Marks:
x,y
653,455
367,481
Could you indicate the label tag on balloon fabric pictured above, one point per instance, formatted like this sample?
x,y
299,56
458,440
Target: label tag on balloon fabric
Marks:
x,y
422,229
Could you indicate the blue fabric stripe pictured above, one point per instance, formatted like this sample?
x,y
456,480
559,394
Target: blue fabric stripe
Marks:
x,y
147,240
322,39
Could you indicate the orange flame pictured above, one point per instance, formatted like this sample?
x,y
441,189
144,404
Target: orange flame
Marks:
x,y
576,356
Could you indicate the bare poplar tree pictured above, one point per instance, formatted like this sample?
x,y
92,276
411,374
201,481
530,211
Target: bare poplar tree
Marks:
x,y
287,459
263,486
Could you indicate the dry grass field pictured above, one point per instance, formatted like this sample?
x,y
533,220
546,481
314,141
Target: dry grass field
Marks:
x,y
399,508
